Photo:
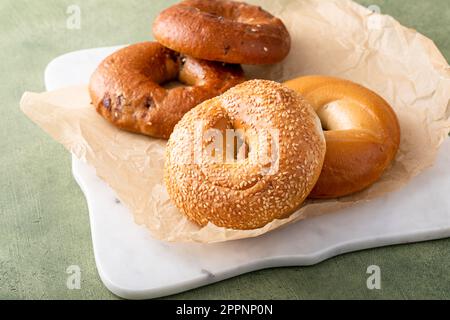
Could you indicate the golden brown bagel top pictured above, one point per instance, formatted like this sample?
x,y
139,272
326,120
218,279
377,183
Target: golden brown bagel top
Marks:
x,y
254,190
361,130
222,30
127,88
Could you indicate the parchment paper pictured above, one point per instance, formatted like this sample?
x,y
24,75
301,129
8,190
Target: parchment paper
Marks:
x,y
331,37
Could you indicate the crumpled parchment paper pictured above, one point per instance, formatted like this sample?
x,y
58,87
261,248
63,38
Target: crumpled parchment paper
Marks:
x,y
330,37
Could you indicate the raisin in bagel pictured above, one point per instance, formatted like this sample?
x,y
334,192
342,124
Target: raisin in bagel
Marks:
x,y
362,134
284,157
222,30
127,90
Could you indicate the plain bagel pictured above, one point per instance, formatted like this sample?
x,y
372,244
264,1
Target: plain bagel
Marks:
x,y
361,130
222,30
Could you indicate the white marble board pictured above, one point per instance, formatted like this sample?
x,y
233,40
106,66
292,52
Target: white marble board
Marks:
x,y
134,266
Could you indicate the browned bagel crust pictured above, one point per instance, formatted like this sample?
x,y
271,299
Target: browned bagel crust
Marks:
x,y
239,195
126,87
362,134
222,30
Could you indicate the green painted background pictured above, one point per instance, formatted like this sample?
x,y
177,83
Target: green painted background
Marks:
x,y
44,224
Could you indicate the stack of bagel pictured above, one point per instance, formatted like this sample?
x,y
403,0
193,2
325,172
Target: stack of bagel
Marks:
x,y
324,137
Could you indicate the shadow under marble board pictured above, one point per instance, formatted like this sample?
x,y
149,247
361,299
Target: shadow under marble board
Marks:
x,y
133,265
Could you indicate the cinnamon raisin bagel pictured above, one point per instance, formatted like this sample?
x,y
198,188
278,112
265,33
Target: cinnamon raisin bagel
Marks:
x,y
272,173
222,30
127,88
361,130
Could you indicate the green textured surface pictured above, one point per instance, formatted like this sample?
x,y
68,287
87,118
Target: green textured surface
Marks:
x,y
44,225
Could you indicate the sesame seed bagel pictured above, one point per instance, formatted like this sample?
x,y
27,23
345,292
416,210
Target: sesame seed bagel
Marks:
x,y
127,88
268,177
222,30
361,130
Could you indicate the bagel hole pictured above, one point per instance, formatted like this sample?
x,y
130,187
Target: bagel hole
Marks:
x,y
324,127
235,151
227,143
184,79
236,147
174,84
240,147
323,122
